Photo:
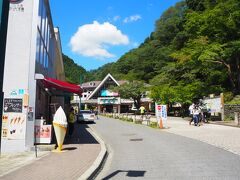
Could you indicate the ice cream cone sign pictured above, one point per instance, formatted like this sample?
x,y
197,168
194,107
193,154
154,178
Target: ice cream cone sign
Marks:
x,y
60,127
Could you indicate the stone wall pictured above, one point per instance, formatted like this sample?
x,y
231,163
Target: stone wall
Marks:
x,y
230,109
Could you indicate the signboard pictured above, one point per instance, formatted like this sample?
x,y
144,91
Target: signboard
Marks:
x,y
14,126
161,113
213,105
12,105
108,93
110,100
15,1
16,5
43,133
4,126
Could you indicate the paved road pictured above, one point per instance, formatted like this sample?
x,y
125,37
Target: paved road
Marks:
x,y
145,153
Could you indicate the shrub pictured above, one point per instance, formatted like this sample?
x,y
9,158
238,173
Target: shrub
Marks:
x,y
130,120
138,122
229,117
228,96
153,124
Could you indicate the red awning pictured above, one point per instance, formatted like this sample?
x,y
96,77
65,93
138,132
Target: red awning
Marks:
x,y
65,86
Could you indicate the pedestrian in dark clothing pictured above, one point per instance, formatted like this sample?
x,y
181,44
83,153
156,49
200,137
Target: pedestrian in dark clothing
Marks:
x,y
71,120
196,112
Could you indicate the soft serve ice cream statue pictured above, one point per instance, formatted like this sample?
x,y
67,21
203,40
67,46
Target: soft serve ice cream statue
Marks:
x,y
60,127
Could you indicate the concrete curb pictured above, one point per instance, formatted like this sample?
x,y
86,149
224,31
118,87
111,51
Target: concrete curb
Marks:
x,y
93,170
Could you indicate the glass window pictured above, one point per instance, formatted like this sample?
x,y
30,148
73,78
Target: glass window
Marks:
x,y
46,59
1,2
51,51
43,20
38,47
48,37
45,30
40,7
42,54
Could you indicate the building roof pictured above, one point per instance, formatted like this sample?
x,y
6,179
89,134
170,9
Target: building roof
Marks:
x,y
90,84
101,84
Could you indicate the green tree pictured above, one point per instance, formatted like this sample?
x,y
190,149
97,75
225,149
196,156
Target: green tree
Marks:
x,y
193,51
132,90
72,70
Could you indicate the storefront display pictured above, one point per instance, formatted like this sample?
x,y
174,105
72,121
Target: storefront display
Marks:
x,y
43,132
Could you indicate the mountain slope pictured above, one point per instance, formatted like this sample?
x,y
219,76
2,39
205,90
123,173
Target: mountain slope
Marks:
x,y
73,71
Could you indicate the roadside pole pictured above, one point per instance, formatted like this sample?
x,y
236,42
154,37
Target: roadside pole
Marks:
x,y
79,104
4,11
81,81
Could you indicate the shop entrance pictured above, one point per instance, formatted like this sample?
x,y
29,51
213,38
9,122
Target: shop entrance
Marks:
x,y
108,108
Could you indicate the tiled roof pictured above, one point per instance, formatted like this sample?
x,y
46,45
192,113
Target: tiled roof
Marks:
x,y
90,84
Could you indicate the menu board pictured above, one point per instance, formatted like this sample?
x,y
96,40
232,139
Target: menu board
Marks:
x,y
13,105
13,125
43,133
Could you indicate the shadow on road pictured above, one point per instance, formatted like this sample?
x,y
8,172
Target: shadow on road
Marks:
x,y
130,173
69,149
80,136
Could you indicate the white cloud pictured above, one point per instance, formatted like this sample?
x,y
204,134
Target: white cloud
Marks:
x,y
116,18
92,40
132,18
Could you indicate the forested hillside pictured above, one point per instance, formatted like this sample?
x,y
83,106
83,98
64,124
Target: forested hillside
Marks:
x,y
193,51
73,72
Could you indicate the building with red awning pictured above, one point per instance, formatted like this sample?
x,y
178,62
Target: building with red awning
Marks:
x,y
34,80
65,86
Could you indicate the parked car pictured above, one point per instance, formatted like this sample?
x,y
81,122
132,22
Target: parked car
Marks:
x,y
86,115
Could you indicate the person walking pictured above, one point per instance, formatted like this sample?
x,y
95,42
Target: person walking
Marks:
x,y
191,112
142,111
196,112
71,121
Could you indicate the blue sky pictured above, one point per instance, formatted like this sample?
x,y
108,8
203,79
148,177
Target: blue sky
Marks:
x,y
96,32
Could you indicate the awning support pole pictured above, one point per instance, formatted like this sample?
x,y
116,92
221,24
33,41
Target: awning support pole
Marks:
x,y
79,104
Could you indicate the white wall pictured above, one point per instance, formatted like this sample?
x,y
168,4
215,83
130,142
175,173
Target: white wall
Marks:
x,y
18,47
19,55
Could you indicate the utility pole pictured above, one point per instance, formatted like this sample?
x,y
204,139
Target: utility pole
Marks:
x,y
4,11
81,81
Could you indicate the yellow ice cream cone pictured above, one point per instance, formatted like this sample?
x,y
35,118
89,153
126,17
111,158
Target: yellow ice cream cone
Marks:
x,y
60,132
60,127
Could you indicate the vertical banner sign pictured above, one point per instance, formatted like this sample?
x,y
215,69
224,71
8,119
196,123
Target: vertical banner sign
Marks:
x,y
161,114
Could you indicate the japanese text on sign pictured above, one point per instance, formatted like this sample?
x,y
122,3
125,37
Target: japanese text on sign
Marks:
x,y
13,105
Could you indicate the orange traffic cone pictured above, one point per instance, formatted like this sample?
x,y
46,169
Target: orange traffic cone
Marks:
x,y
161,124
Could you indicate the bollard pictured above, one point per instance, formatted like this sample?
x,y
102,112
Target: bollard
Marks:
x,y
236,118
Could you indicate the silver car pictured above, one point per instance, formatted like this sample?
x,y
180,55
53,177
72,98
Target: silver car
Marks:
x,y
86,115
